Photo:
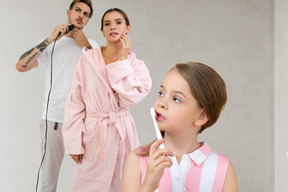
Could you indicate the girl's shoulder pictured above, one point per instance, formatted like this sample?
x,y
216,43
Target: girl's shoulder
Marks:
x,y
134,156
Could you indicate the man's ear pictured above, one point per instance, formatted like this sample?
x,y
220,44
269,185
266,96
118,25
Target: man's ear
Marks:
x,y
68,12
201,120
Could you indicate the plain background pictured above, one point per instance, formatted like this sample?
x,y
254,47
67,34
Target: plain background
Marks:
x,y
245,41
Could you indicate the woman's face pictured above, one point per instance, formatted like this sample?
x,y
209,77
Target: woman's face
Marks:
x,y
114,26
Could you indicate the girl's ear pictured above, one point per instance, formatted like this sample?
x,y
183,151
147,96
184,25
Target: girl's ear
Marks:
x,y
201,120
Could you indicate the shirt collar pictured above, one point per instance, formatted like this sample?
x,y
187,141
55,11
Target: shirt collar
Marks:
x,y
200,155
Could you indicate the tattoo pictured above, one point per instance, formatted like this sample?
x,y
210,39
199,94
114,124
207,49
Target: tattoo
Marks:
x,y
27,53
29,60
42,45
89,47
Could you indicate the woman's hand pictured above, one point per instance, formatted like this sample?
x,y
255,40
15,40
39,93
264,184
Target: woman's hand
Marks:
x,y
158,160
125,47
77,158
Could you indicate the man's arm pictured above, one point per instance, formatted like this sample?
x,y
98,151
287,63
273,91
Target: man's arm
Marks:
x,y
29,59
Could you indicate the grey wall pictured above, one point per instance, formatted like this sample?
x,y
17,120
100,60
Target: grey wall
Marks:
x,y
281,95
235,37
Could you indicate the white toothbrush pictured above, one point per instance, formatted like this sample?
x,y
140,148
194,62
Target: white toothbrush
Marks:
x,y
158,134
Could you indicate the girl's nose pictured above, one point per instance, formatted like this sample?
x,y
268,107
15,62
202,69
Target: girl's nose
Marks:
x,y
162,103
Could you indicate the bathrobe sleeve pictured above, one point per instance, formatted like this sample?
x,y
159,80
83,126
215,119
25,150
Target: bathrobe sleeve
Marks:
x,y
131,79
75,114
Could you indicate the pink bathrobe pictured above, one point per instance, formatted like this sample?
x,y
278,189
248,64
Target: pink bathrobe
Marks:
x,y
97,121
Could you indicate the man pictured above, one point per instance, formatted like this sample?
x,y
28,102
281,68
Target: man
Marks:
x,y
65,55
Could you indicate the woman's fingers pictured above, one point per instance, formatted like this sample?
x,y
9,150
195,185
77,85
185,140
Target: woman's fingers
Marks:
x,y
126,41
125,47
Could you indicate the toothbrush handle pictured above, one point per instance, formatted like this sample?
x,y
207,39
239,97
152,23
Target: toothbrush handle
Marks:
x,y
162,146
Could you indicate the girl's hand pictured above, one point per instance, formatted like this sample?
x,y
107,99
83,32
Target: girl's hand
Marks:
x,y
125,47
158,160
77,158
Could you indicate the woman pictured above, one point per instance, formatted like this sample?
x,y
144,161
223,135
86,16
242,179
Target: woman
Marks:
x,y
98,129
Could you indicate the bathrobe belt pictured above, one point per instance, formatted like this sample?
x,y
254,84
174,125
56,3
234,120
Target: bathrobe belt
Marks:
x,y
112,116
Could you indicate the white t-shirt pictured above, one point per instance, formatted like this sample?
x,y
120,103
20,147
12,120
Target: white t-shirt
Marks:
x,y
65,58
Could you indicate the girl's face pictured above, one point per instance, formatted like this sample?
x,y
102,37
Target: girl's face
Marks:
x,y
114,26
176,108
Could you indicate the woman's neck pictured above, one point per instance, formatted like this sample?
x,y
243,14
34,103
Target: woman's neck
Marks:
x,y
111,52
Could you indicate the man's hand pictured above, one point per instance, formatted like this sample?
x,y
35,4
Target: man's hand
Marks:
x,y
80,38
59,28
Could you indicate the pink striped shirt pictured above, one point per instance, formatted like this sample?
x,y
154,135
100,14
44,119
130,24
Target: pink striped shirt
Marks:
x,y
200,171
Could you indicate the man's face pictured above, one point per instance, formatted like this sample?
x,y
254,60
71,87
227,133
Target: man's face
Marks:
x,y
79,15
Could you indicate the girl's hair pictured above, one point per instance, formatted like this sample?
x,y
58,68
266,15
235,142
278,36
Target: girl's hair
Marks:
x,y
207,87
127,22
87,2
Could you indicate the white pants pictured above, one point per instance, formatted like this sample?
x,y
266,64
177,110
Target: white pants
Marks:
x,y
53,157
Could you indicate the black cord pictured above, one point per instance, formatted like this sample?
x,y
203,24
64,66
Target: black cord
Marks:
x,y
46,121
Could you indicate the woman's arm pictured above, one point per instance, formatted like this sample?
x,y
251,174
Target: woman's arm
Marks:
x,y
131,79
75,114
230,184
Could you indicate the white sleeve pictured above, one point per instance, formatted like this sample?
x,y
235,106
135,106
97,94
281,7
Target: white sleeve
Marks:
x,y
93,44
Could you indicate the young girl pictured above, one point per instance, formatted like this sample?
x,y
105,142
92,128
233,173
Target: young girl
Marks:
x,y
190,100
98,129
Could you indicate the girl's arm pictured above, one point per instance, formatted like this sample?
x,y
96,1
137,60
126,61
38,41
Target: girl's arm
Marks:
x,y
230,184
131,179
157,162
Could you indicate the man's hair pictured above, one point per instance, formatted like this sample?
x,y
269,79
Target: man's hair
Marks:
x,y
87,2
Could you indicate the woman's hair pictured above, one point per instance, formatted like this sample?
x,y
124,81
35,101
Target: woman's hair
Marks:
x,y
207,87
87,2
127,22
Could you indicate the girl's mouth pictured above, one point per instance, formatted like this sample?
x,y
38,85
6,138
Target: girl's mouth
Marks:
x,y
159,117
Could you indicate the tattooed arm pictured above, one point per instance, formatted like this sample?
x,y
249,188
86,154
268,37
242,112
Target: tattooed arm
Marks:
x,y
29,59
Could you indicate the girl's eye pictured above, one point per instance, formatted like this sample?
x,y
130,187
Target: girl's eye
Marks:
x,y
177,100
106,24
161,94
119,22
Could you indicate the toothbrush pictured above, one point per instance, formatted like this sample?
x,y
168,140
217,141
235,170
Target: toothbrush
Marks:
x,y
158,134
